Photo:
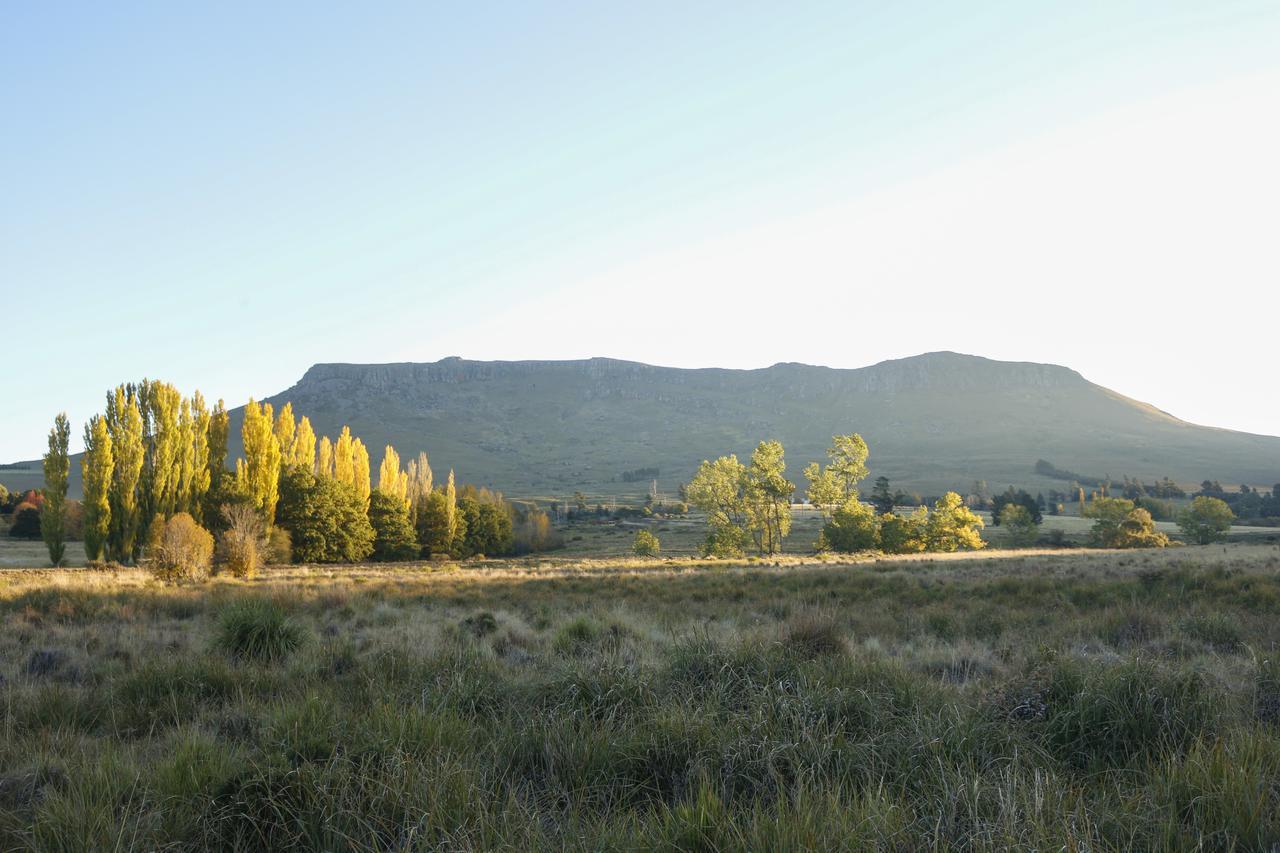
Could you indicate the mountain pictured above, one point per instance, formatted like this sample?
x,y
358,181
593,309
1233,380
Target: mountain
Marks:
x,y
934,421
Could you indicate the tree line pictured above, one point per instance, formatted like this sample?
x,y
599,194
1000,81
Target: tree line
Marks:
x,y
156,460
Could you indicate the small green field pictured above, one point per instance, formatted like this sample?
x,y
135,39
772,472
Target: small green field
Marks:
x,y
995,700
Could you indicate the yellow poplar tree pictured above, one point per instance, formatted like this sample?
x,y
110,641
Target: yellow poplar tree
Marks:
x,y
420,483
343,461
200,462
324,458
260,472
124,420
304,446
360,469
95,468
391,480
286,430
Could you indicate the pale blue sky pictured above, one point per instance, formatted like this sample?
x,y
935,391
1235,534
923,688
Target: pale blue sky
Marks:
x,y
222,194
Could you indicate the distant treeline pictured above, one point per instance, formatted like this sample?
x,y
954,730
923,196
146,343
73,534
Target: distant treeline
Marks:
x,y
639,474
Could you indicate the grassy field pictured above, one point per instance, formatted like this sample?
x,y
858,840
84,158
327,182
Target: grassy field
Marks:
x,y
1050,700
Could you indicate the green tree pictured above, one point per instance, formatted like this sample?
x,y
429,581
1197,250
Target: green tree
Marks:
x,y
488,529
882,496
645,544
124,422
162,460
434,524
1018,523
200,476
953,526
57,465
767,495
718,490
1119,524
96,467
326,519
1207,520
260,473
393,535
218,432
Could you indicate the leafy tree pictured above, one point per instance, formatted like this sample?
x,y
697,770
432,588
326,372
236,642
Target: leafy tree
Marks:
x,y
645,544
325,518
952,526
767,493
853,527
393,535
1118,524
488,529
882,496
1018,523
434,525
1207,520
718,490
304,446
1022,498
26,522
260,472
832,486
124,422
391,480
218,433
57,465
159,404
199,476
904,534
421,482
360,469
286,432
96,467
343,460
324,458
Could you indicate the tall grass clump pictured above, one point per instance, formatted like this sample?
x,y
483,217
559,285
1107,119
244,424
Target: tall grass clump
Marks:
x,y
258,629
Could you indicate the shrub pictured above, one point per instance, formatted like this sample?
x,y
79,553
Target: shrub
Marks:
x,y
179,549
904,534
240,545
393,534
26,522
952,526
725,540
1207,520
279,547
258,629
645,544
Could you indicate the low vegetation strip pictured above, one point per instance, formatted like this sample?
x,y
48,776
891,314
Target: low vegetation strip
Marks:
x,y
1108,701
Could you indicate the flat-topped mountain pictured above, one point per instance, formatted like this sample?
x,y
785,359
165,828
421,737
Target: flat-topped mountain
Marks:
x,y
933,421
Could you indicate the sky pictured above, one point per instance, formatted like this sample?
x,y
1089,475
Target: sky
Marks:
x,y
220,195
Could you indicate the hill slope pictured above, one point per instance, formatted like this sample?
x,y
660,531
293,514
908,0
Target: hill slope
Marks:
x,y
933,422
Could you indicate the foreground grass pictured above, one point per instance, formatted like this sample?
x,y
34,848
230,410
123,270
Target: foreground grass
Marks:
x,y
1084,701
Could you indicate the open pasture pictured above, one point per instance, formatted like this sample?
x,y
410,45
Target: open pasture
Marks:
x,y
990,700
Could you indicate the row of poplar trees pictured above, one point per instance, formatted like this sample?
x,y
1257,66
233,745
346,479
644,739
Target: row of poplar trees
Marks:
x,y
154,452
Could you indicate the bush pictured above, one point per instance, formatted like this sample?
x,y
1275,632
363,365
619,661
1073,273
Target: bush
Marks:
x,y
725,540
179,549
26,522
258,629
1207,520
393,534
279,547
645,544
241,544
1120,525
